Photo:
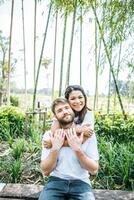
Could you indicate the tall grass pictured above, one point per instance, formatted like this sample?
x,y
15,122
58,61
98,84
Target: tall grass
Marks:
x,y
18,147
15,171
116,166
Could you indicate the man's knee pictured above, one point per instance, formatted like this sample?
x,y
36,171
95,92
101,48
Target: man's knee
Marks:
x,y
88,196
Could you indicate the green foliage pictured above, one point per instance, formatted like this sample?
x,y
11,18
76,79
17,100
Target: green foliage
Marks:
x,y
15,171
21,161
11,122
116,18
18,147
67,5
34,143
10,168
14,101
115,142
114,127
116,166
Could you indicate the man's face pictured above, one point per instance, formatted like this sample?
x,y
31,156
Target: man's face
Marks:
x,y
64,113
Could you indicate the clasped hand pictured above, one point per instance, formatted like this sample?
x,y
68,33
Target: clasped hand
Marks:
x,y
58,138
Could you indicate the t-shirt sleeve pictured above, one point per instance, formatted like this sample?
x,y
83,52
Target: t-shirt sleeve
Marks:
x,y
45,152
91,148
89,119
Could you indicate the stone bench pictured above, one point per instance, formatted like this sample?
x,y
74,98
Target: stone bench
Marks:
x,y
31,192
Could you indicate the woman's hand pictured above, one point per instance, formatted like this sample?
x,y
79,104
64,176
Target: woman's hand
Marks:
x,y
87,130
47,144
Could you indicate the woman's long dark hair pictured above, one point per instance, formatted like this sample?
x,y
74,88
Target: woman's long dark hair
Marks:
x,y
82,113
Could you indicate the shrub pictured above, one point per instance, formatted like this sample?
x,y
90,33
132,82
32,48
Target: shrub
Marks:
x,y
11,122
14,101
114,127
115,142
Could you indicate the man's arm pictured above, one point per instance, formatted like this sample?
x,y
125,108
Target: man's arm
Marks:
x,y
75,143
49,163
86,162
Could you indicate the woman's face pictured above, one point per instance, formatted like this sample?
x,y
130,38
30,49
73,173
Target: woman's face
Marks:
x,y
76,100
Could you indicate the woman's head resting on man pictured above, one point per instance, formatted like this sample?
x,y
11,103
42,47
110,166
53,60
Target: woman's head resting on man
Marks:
x,y
77,99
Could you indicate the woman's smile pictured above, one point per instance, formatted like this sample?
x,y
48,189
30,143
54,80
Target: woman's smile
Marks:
x,y
76,100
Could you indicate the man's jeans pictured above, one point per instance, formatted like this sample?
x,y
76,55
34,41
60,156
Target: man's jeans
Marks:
x,y
60,189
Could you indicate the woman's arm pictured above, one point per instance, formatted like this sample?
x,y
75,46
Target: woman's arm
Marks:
x,y
87,125
86,129
89,119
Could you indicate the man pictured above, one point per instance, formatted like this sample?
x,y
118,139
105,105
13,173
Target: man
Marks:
x,y
68,167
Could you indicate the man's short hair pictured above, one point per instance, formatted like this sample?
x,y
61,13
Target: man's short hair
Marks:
x,y
58,101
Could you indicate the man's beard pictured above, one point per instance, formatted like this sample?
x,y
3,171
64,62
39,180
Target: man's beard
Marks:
x,y
65,122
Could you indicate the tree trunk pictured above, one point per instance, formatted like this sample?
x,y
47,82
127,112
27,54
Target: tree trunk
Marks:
x,y
9,55
0,98
96,67
71,44
55,44
118,69
81,47
40,60
109,89
25,71
62,56
2,88
35,15
97,61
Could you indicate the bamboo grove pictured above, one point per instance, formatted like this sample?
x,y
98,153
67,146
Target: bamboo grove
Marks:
x,y
114,24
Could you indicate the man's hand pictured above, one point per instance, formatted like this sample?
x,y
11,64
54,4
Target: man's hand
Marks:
x,y
73,140
57,139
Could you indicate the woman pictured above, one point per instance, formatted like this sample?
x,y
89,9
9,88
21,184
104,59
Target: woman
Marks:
x,y
84,118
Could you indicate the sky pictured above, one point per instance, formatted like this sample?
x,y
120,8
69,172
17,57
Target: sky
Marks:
x,y
88,67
